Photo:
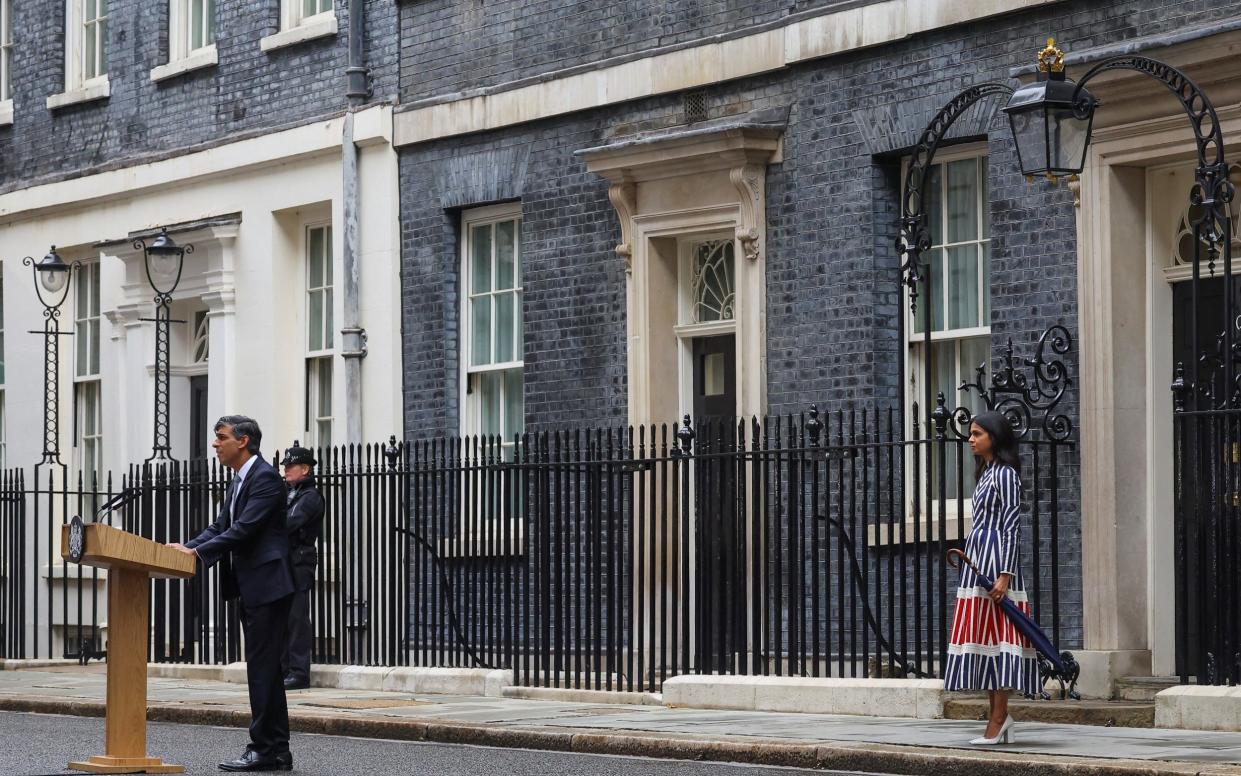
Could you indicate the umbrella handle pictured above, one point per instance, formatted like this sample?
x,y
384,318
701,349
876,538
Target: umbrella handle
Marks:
x,y
954,558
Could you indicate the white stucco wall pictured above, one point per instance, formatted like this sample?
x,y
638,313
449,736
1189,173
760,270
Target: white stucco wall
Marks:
x,y
251,275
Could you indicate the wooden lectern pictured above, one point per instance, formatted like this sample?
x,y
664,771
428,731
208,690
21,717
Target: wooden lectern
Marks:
x,y
131,561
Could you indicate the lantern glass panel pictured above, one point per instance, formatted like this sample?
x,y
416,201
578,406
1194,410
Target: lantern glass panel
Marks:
x,y
1030,136
1069,138
54,280
163,266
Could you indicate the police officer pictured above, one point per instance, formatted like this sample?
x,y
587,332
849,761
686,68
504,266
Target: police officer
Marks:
x,y
305,524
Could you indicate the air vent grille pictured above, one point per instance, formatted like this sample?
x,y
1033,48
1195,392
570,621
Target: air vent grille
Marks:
x,y
695,107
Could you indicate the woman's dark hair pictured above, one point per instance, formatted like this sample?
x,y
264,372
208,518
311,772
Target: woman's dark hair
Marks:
x,y
1003,441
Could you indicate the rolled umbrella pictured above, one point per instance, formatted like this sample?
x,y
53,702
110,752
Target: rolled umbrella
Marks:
x,y
1053,663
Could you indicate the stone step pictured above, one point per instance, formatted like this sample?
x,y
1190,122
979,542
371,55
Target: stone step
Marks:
x,y
1100,713
1143,688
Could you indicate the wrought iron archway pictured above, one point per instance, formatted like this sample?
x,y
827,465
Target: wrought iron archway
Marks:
x,y
1206,408
1027,390
1206,390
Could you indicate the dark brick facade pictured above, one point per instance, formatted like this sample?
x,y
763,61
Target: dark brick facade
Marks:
x,y
450,46
832,205
248,92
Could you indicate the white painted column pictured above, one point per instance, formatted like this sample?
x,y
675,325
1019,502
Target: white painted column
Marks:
x,y
221,301
1112,327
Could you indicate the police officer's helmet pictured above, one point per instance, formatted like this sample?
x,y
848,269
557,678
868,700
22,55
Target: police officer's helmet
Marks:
x,y
297,454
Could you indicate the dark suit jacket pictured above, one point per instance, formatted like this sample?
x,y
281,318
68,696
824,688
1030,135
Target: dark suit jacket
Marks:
x,y
254,540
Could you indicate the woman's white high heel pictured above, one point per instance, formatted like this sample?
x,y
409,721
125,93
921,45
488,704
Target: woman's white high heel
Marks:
x,y
1004,736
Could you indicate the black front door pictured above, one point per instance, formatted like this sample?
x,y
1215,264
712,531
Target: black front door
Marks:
x,y
198,418
720,541
1209,469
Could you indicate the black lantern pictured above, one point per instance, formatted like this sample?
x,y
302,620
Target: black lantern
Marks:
x,y
163,263
164,260
51,275
1051,120
51,283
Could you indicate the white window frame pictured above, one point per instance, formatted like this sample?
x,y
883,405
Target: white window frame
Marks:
x,y
78,86
183,56
913,388
87,383
75,54
6,52
322,357
88,282
471,416
88,401
489,537
316,420
296,26
294,12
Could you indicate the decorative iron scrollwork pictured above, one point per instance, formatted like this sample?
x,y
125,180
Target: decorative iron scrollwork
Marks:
x,y
1028,399
915,237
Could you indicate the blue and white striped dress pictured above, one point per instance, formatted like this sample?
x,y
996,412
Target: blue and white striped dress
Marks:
x,y
985,652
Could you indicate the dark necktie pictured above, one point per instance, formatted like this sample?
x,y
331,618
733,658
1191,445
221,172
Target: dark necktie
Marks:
x,y
230,498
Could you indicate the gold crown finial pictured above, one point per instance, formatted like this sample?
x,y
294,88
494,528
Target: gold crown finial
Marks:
x,y
1051,59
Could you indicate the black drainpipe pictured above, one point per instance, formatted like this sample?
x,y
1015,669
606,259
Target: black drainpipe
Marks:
x,y
357,72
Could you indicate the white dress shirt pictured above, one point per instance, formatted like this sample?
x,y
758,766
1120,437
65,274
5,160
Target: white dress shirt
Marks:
x,y
237,481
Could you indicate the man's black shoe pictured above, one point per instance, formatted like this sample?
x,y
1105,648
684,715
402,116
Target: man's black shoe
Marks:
x,y
251,760
286,760
292,683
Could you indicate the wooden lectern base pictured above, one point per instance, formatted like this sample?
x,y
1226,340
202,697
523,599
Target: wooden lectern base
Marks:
x,y
106,764
131,561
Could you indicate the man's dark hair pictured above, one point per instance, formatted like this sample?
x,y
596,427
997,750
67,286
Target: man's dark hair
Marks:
x,y
243,426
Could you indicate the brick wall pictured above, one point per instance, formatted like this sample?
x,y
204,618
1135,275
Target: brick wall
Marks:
x,y
832,208
450,45
248,92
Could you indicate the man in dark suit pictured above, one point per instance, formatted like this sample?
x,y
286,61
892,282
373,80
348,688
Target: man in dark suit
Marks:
x,y
305,523
249,537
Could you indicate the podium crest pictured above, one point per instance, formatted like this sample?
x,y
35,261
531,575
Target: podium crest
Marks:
x,y
77,539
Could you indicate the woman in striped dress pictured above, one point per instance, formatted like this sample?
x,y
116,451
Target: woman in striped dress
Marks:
x,y
985,651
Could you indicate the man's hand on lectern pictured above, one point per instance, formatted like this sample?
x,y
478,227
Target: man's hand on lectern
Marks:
x,y
183,548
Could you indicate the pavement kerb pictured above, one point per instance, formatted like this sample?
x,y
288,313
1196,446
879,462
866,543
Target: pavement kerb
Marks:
x,y
23,664
846,756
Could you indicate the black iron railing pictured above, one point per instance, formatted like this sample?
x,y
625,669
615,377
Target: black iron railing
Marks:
x,y
12,564
808,545
359,601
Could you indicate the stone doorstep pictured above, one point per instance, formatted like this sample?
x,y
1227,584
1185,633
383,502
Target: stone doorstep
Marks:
x,y
432,681
1143,688
1199,707
1084,712
566,695
908,698
34,664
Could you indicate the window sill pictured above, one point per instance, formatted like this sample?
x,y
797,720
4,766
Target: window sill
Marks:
x,y
308,30
886,534
6,113
484,545
90,92
206,57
